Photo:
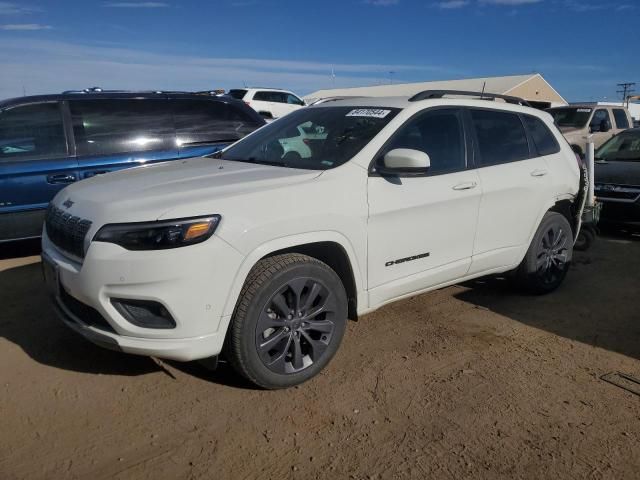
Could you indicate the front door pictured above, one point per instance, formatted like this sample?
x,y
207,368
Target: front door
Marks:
x,y
34,166
421,229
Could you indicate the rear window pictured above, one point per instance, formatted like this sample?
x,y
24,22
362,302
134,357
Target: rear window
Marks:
x,y
312,138
123,125
621,118
543,139
238,94
501,137
32,132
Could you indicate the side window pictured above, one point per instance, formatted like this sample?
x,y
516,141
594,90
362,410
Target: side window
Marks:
x,y
263,96
439,134
622,121
121,125
501,137
32,132
205,121
543,139
278,97
598,120
293,100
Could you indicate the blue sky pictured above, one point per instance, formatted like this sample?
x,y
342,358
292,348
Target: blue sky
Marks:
x,y
583,47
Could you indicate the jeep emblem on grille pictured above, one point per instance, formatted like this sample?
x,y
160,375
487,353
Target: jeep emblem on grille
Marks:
x,y
68,203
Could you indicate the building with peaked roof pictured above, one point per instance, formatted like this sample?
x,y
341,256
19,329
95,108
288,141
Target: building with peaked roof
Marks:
x,y
533,88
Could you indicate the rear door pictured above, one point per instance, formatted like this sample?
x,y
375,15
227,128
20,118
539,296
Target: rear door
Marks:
x,y
204,126
263,103
34,165
516,186
112,134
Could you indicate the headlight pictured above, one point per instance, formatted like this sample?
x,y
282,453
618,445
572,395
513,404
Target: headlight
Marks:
x,y
159,235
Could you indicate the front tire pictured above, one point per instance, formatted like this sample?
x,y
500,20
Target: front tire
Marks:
x,y
289,321
547,260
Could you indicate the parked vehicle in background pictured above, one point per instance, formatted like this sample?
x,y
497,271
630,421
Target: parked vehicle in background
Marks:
x,y
617,179
602,121
268,253
48,142
271,103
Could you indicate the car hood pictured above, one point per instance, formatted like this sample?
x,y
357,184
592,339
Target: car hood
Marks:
x,y
570,130
620,173
152,192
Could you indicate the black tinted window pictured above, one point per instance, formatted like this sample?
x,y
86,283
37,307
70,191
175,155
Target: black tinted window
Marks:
x,y
123,125
621,118
440,135
501,137
32,131
237,94
264,96
201,121
600,118
545,142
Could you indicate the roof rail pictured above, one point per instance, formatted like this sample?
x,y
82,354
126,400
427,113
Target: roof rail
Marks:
x,y
428,94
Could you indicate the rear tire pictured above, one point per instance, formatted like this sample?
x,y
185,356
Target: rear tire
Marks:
x,y
585,239
547,260
289,321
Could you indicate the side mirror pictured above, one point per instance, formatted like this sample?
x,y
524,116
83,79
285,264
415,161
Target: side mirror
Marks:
x,y
605,125
404,160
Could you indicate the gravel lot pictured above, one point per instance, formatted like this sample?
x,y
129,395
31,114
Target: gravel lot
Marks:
x,y
474,381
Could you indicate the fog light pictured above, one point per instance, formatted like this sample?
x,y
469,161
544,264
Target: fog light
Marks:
x,y
144,313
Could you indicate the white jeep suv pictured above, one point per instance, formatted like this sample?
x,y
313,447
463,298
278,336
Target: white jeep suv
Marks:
x,y
263,255
271,103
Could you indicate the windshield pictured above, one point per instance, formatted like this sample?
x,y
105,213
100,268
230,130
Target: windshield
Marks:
x,y
623,147
312,138
570,117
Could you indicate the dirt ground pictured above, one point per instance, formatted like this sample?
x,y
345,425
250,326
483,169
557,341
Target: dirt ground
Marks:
x,y
473,381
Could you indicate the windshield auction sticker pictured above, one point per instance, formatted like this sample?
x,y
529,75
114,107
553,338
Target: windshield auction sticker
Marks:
x,y
583,110
368,112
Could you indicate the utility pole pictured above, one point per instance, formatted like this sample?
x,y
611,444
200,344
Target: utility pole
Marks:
x,y
391,77
626,89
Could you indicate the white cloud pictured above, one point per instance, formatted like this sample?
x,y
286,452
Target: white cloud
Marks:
x,y
510,2
136,4
382,3
25,26
52,66
452,4
8,8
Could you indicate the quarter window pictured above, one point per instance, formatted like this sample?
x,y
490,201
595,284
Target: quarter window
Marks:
x,y
439,134
501,137
32,132
202,121
622,121
122,125
543,139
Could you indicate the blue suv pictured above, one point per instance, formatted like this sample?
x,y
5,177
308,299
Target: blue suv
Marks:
x,y
50,141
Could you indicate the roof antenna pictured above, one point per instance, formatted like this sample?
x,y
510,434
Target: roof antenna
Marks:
x,y
482,94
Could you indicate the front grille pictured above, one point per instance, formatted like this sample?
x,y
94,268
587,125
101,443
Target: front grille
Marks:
x,y
66,231
84,313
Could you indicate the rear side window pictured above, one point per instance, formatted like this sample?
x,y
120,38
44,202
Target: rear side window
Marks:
x,y
543,139
32,132
206,121
621,118
501,137
238,94
121,125
439,134
264,96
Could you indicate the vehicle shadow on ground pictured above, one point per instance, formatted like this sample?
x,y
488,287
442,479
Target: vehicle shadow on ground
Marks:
x,y
598,304
27,320
25,248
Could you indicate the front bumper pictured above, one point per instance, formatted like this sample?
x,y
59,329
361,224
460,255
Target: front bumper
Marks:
x,y
192,283
621,205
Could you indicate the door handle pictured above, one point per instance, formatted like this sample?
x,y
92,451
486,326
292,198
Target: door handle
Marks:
x,y
541,172
61,178
465,186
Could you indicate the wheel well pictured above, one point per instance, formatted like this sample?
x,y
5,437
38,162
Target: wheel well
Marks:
x,y
565,207
336,257
577,149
